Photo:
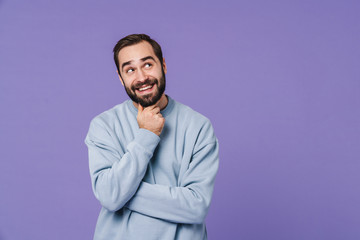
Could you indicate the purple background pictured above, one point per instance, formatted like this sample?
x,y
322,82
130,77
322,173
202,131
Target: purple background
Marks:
x,y
278,79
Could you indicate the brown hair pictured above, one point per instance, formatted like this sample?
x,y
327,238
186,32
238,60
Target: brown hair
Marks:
x,y
132,40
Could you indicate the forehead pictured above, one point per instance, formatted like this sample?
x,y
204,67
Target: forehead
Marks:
x,y
136,52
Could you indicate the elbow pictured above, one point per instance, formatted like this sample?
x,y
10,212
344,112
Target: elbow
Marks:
x,y
199,214
111,206
109,196
199,211
110,201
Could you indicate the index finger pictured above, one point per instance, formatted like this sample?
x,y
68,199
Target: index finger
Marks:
x,y
150,108
154,109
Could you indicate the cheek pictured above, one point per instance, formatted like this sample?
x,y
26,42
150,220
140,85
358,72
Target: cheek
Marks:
x,y
127,82
159,75
127,85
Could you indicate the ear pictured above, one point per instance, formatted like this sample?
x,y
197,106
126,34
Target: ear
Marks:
x,y
164,65
122,82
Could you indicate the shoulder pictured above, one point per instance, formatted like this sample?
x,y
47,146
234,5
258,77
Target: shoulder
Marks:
x,y
110,116
195,122
190,114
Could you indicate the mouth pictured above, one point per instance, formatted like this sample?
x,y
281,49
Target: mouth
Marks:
x,y
145,89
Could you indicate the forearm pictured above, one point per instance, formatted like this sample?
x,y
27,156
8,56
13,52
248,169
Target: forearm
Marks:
x,y
116,178
174,204
187,203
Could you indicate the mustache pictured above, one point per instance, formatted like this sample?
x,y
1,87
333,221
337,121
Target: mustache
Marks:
x,y
146,82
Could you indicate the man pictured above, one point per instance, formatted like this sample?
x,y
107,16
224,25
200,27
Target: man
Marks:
x,y
152,160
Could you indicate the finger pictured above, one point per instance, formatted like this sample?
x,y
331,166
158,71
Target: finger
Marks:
x,y
162,119
150,108
158,115
140,108
156,110
153,109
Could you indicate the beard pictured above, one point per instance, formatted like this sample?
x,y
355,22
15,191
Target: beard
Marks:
x,y
148,99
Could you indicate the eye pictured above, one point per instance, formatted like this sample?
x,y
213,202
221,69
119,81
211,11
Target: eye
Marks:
x,y
147,65
129,70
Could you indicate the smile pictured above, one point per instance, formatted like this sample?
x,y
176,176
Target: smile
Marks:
x,y
145,88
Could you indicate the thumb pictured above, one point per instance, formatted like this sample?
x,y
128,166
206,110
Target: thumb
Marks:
x,y
140,108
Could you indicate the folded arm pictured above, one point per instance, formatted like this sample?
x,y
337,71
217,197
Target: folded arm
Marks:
x,y
188,203
116,175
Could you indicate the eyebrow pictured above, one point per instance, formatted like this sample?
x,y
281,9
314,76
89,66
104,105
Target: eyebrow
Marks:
x,y
142,59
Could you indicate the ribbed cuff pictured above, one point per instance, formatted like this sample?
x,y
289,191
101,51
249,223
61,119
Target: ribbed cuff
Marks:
x,y
147,139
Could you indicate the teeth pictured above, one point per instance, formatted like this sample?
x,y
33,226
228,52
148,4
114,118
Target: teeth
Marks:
x,y
144,88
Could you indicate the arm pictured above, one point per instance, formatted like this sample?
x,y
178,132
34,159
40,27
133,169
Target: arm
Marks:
x,y
188,203
116,175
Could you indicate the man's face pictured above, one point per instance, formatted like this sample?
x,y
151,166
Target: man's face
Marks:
x,y
142,74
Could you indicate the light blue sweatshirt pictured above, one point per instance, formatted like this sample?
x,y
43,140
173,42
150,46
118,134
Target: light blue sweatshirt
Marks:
x,y
152,187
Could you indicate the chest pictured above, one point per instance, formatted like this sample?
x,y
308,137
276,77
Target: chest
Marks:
x,y
172,156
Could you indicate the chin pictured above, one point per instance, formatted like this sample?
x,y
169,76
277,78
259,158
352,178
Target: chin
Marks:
x,y
149,101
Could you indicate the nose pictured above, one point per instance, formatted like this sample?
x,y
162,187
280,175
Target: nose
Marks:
x,y
141,75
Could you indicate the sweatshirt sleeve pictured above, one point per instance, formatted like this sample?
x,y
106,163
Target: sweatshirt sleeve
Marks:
x,y
115,176
188,203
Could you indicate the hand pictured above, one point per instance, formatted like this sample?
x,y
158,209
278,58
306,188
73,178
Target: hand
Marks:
x,y
150,118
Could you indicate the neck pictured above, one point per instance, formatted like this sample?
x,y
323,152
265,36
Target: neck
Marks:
x,y
162,103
